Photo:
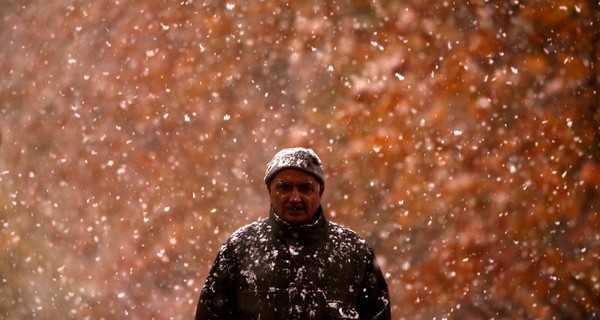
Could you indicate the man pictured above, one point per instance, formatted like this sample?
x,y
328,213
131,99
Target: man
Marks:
x,y
295,264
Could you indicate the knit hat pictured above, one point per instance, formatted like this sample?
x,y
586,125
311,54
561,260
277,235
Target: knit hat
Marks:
x,y
295,158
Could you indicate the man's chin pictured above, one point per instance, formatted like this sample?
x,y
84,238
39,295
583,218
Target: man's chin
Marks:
x,y
295,216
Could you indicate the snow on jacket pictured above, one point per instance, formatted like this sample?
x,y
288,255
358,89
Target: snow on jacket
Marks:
x,y
271,269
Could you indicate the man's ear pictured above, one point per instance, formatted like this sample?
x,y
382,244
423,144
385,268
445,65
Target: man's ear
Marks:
x,y
321,189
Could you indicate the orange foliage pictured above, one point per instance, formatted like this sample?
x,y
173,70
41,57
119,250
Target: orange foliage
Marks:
x,y
461,139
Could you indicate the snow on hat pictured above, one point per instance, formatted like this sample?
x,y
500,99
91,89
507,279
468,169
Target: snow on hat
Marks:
x,y
295,158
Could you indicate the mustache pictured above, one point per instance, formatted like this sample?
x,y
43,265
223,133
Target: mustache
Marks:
x,y
292,206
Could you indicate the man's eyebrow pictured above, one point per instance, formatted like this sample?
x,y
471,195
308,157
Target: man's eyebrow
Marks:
x,y
300,184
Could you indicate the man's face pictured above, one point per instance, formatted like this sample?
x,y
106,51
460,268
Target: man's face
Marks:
x,y
295,195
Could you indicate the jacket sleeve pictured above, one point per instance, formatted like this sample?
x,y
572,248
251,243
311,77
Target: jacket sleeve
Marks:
x,y
217,299
374,301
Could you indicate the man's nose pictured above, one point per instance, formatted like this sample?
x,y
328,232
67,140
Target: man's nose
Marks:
x,y
295,195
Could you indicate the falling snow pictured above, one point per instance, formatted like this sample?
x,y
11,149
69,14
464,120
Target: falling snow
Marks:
x,y
460,139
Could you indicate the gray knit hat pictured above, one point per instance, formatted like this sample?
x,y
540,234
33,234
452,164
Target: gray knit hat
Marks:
x,y
295,158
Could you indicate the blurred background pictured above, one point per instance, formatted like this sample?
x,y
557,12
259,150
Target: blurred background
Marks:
x,y
460,138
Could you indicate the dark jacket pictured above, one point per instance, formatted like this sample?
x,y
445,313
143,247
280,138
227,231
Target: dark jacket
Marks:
x,y
274,270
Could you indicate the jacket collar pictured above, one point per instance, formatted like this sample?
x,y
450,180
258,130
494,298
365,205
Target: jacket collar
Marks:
x,y
300,234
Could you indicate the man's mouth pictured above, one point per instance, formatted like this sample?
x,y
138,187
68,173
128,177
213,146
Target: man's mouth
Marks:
x,y
294,208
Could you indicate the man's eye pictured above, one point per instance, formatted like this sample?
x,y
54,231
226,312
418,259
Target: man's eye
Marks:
x,y
306,188
284,187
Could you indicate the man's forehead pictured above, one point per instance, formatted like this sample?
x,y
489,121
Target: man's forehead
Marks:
x,y
294,175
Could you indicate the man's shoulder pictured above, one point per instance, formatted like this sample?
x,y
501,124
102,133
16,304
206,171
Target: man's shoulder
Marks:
x,y
247,232
346,234
348,242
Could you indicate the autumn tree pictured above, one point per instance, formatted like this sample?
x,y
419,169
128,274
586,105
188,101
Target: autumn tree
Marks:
x,y
461,139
